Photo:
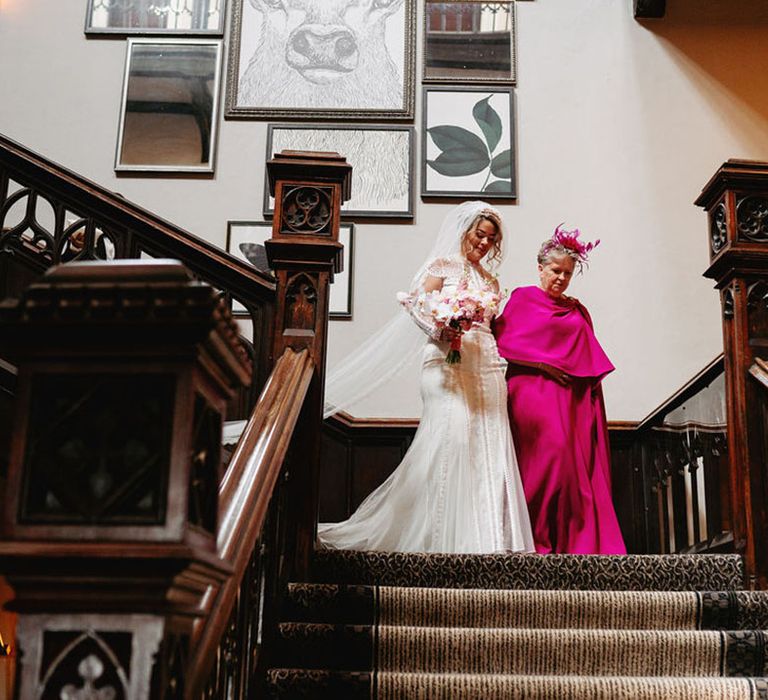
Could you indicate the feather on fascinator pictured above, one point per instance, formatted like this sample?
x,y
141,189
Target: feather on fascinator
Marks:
x,y
569,240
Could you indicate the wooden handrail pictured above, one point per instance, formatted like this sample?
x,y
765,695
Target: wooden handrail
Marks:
x,y
85,197
759,370
245,494
689,389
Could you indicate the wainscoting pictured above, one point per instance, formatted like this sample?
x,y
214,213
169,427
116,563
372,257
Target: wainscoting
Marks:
x,y
358,454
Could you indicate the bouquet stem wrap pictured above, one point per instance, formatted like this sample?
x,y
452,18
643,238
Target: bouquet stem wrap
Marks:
x,y
454,354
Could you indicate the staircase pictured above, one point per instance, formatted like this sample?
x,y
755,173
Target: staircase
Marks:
x,y
392,625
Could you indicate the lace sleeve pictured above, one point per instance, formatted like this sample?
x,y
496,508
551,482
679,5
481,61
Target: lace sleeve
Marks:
x,y
444,267
415,305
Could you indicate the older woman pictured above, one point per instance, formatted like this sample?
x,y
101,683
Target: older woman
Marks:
x,y
556,407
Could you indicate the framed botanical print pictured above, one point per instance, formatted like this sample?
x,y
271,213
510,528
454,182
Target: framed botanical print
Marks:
x,y
469,41
245,240
316,59
170,106
156,17
381,158
468,144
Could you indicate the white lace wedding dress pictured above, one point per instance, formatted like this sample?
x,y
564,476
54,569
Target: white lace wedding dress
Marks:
x,y
458,488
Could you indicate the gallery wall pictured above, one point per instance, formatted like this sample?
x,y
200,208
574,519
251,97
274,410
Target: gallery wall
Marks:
x,y
618,126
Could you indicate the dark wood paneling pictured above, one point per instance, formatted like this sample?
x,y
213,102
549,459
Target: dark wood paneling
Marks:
x,y
357,455
628,486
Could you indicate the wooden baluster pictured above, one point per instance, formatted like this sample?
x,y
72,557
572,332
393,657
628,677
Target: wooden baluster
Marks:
x,y
736,201
304,252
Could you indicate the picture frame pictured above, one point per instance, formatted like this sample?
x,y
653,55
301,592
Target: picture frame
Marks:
x,y
169,106
468,143
245,240
381,156
469,42
155,17
322,59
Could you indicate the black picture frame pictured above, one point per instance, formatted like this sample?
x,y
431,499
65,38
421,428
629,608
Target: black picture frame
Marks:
x,y
382,159
253,234
468,144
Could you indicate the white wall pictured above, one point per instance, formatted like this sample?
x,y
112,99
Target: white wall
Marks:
x,y
620,124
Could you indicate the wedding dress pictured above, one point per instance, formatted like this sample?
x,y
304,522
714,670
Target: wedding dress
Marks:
x,y
458,488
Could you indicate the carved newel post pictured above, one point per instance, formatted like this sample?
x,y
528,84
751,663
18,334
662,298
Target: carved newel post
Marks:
x,y
109,524
304,252
736,201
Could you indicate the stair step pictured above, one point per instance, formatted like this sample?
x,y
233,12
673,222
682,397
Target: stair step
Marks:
x,y
453,607
524,651
290,683
634,572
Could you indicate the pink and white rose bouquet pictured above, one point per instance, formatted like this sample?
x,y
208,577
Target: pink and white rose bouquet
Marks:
x,y
457,309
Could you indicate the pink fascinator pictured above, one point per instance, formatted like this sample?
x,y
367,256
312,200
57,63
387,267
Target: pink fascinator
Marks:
x,y
562,238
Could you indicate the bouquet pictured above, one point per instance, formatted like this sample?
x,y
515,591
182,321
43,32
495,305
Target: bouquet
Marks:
x,y
457,309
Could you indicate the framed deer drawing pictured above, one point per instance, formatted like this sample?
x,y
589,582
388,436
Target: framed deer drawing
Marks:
x,y
322,59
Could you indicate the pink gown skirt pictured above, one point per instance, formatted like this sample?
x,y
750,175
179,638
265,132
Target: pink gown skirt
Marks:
x,y
561,441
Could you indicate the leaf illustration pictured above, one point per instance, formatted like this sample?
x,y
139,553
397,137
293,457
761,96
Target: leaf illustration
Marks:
x,y
448,137
457,162
499,186
501,165
489,121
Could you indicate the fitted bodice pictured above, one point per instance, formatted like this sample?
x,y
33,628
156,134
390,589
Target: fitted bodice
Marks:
x,y
457,269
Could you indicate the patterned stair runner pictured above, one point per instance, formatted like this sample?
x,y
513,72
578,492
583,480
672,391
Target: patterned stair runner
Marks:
x,y
514,626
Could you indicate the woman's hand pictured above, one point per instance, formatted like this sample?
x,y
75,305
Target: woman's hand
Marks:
x,y
562,378
449,334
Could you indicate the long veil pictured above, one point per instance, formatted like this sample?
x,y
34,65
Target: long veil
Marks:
x,y
399,342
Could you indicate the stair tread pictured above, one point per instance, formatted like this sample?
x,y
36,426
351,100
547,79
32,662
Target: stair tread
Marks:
x,y
464,607
290,682
532,571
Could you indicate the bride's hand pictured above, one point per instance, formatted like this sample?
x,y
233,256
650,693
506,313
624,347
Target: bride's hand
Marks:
x,y
449,334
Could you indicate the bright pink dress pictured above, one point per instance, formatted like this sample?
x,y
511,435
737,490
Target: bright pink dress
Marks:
x,y
560,432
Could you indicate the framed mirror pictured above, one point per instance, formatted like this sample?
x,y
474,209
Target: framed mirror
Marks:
x,y
168,17
170,106
469,41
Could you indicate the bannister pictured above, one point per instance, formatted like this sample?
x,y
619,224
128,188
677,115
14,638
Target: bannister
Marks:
x,y
244,497
144,499
681,449
268,526
759,371
736,201
49,215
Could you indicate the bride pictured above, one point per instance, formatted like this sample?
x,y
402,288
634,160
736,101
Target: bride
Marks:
x,y
458,488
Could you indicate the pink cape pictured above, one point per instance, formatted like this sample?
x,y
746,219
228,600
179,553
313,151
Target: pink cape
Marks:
x,y
560,432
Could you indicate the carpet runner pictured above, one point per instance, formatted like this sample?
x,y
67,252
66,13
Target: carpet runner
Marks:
x,y
522,626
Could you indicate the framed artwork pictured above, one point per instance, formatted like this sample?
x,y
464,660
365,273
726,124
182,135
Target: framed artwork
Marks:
x,y
245,240
166,17
170,106
469,41
468,147
381,158
317,59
